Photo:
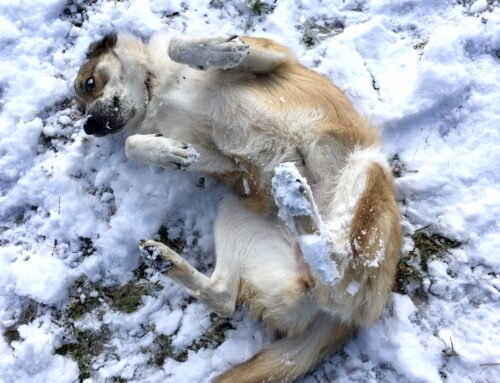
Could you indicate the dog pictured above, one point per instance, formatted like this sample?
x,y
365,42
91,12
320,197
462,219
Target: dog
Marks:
x,y
310,239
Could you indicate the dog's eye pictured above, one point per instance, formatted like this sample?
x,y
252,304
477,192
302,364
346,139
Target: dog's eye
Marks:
x,y
90,84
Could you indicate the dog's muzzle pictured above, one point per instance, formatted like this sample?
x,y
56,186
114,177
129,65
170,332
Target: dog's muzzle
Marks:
x,y
99,127
92,125
104,119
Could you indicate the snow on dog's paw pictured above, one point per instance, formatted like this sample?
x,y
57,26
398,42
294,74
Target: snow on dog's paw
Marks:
x,y
153,256
177,153
294,199
157,150
223,52
191,155
297,208
183,155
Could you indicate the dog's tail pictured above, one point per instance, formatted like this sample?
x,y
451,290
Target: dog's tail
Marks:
x,y
290,358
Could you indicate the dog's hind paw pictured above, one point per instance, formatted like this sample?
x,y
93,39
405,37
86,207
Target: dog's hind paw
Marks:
x,y
294,199
223,52
154,256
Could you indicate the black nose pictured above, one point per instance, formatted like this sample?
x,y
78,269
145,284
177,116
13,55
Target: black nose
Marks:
x,y
92,125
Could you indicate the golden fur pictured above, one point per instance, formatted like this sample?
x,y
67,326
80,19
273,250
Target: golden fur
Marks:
x,y
252,108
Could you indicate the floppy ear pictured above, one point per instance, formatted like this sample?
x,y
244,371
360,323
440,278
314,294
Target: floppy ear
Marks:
x,y
102,46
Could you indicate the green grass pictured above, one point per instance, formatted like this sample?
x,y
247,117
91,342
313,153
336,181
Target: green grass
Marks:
x,y
161,350
430,246
259,7
84,346
314,30
413,267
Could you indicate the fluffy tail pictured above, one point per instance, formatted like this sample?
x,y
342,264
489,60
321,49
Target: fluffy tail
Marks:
x,y
290,358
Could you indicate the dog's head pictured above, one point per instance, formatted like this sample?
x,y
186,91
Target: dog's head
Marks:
x,y
112,85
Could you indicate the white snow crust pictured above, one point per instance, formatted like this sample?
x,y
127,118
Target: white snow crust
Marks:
x,y
72,207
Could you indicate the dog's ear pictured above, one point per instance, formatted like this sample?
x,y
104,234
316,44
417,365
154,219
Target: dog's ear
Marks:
x,y
102,46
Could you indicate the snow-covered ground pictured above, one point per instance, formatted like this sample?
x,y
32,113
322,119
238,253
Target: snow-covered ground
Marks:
x,y
74,303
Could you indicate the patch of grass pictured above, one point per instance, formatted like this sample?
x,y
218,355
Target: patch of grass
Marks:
x,y
449,350
176,244
29,312
411,269
315,30
127,298
161,350
406,274
214,336
76,11
429,246
86,297
211,338
259,7
84,346
77,307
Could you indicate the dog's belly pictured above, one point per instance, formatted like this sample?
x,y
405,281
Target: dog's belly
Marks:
x,y
256,151
285,307
274,282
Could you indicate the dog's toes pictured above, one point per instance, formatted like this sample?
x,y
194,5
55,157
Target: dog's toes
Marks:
x,y
187,155
162,265
154,257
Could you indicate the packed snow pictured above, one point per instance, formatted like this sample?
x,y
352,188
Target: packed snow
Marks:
x,y
74,301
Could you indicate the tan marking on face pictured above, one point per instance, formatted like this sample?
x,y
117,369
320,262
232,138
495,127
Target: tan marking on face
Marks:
x,y
90,70
98,52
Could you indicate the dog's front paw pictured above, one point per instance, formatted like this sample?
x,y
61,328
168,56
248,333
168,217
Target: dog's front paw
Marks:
x,y
223,52
182,155
154,149
153,256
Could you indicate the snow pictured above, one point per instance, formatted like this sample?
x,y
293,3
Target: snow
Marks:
x,y
72,207
317,253
352,288
289,193
33,359
50,272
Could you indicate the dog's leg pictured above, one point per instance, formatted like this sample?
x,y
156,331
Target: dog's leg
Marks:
x,y
211,291
154,149
296,206
354,268
157,150
225,52
208,52
232,239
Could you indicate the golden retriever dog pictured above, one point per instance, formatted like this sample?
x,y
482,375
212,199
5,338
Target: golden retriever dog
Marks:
x,y
310,239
